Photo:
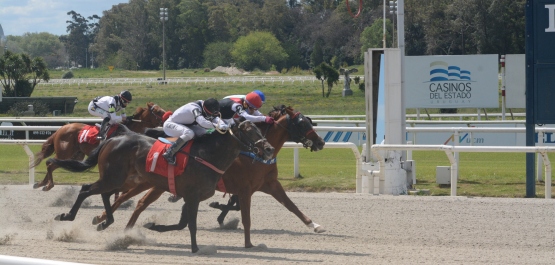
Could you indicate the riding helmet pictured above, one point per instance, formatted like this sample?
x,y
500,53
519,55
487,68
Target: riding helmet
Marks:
x,y
126,96
262,96
253,100
211,107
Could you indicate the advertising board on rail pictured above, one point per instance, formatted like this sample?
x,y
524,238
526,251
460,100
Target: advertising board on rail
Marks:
x,y
445,138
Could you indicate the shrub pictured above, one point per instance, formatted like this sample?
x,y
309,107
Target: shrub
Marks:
x,y
67,75
361,86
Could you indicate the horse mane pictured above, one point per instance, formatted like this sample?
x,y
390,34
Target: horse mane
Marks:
x,y
140,110
279,111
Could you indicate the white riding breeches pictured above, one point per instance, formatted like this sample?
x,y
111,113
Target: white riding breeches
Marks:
x,y
98,112
178,130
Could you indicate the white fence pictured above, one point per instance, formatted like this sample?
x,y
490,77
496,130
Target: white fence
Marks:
x,y
453,150
450,150
184,80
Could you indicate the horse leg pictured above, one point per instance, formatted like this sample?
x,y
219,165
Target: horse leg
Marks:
x,y
164,228
232,204
276,190
85,192
109,213
47,183
151,196
192,211
245,204
121,199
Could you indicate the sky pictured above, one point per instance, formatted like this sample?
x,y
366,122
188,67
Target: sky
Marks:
x,y
18,17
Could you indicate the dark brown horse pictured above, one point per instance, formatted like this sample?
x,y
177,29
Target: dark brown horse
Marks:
x,y
245,176
122,160
65,141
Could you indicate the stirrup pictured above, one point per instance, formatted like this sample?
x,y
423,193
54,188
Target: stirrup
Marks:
x,y
169,158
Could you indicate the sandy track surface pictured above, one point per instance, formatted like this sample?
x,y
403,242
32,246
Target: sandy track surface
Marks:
x,y
361,229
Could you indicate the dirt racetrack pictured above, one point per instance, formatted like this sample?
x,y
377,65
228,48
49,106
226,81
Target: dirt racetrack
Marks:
x,y
361,229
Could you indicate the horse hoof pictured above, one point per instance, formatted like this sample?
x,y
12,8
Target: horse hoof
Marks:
x,y
101,227
96,220
319,229
36,185
148,225
46,188
173,198
58,217
215,205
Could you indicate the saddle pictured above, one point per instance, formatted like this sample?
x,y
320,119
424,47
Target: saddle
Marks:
x,y
89,132
156,163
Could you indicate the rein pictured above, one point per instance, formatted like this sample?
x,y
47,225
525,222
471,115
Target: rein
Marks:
x,y
250,147
204,162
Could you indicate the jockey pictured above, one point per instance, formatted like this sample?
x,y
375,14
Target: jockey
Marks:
x,y
246,106
107,107
190,120
260,93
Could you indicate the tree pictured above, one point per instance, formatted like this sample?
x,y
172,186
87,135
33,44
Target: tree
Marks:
x,y
258,50
372,37
193,32
317,56
20,74
324,72
81,35
45,45
217,54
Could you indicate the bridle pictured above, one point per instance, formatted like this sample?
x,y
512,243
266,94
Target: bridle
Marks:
x,y
248,144
299,127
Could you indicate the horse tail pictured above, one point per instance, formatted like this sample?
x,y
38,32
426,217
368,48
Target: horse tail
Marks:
x,y
46,151
79,166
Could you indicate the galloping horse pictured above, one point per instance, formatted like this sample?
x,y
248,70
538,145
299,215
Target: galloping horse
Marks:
x,y
246,176
65,141
123,159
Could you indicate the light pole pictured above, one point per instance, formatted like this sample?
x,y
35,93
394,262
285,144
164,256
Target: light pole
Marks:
x,y
384,25
393,12
164,18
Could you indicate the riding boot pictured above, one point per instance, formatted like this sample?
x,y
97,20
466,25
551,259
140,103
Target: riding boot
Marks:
x,y
103,128
169,155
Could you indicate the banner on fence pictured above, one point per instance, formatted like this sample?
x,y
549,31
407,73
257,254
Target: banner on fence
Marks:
x,y
451,81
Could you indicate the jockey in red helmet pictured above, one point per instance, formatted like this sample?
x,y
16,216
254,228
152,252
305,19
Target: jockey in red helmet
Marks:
x,y
247,106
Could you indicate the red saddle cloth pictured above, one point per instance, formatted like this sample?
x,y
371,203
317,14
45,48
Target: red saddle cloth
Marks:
x,y
89,132
156,163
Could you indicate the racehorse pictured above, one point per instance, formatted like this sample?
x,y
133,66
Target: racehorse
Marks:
x,y
123,159
65,141
246,175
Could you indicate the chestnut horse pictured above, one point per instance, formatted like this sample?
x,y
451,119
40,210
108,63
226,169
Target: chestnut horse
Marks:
x,y
65,141
246,175
122,160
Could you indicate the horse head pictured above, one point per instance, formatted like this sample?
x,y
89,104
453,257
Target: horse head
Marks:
x,y
150,117
251,138
300,127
